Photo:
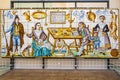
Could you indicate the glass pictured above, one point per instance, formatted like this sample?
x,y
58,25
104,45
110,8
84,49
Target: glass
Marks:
x,y
28,5
59,5
92,4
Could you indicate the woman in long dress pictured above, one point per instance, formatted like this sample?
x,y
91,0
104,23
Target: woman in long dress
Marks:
x,y
40,45
102,29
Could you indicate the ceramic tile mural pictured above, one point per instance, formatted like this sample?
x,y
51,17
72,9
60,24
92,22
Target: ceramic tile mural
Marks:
x,y
59,33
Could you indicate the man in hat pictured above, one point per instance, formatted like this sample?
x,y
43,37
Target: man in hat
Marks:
x,y
16,35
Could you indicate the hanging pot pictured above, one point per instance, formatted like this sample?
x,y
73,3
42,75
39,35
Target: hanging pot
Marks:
x,y
114,52
67,16
91,16
27,15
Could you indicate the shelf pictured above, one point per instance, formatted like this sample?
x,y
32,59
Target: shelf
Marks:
x,y
53,57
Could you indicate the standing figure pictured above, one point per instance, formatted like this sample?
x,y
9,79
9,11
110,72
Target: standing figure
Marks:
x,y
17,33
40,45
113,25
85,33
96,40
102,29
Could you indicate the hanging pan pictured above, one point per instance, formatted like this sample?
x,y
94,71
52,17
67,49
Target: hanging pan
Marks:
x,y
39,15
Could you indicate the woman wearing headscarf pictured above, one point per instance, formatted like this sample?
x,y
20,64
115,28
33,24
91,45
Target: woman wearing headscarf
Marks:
x,y
40,45
102,29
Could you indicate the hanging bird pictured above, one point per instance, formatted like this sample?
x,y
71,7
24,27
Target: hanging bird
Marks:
x,y
106,12
99,12
81,14
9,15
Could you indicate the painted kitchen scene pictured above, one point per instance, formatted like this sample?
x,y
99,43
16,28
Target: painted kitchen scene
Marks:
x,y
91,33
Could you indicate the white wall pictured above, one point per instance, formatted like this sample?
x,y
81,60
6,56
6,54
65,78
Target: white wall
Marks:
x,y
114,3
5,4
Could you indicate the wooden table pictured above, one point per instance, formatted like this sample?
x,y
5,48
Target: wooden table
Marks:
x,y
63,33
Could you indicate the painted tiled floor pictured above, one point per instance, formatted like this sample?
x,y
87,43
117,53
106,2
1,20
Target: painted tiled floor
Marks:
x,y
60,75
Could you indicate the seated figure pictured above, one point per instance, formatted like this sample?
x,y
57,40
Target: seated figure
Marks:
x,y
40,45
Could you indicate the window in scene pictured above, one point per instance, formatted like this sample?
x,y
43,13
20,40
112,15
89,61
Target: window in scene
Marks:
x,y
59,5
28,5
92,4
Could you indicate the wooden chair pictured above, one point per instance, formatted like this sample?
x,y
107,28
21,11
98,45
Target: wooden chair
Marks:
x,y
90,45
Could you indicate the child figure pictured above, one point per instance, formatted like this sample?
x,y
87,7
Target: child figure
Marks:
x,y
96,40
61,45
